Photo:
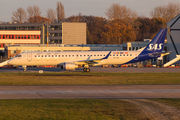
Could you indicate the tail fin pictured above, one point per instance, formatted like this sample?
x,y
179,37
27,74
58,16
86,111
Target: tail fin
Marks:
x,y
156,44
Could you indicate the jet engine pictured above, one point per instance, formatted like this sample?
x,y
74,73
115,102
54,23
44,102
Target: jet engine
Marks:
x,y
69,66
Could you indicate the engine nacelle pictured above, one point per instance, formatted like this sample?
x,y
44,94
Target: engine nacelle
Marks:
x,y
69,66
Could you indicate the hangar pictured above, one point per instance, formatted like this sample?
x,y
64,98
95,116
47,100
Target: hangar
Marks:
x,y
173,41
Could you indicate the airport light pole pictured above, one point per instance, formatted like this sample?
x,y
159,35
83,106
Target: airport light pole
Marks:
x,y
47,35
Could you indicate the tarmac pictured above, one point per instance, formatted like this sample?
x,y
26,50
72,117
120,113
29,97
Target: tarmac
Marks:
x,y
90,92
98,69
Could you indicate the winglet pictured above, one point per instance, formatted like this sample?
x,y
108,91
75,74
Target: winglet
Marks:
x,y
107,55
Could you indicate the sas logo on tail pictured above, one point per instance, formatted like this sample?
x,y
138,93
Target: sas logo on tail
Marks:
x,y
155,47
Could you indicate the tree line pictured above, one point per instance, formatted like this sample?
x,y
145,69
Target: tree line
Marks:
x,y
121,25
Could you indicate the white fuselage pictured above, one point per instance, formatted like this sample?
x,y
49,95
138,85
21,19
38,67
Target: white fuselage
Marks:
x,y
57,58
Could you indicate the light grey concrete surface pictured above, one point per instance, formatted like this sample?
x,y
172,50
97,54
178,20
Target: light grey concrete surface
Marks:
x,y
90,91
99,69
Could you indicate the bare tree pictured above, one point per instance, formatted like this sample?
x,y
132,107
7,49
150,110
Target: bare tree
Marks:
x,y
167,12
115,11
30,11
33,12
37,11
60,11
19,15
51,15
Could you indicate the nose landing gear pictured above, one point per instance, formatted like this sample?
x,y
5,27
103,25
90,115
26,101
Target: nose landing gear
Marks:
x,y
25,68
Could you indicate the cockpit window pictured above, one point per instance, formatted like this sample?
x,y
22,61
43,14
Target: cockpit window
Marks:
x,y
18,56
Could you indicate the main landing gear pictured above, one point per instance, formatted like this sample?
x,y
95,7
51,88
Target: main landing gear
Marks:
x,y
86,69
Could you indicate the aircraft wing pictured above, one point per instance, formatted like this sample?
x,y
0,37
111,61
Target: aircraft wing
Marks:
x,y
91,61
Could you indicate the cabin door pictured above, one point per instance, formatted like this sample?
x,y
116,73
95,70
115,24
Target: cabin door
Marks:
x,y
29,56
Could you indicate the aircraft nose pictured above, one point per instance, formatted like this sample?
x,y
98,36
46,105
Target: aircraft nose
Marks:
x,y
10,62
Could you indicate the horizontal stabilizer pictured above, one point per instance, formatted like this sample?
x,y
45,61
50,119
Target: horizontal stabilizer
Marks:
x,y
162,53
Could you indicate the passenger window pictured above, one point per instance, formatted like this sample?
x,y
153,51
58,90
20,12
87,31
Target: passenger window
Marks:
x,y
42,55
104,55
117,55
62,55
113,55
35,56
19,55
94,55
69,55
52,56
59,56
123,54
100,55
84,55
72,55
45,55
49,55
38,55
55,55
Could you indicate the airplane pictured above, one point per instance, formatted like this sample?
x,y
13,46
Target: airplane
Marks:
x,y
71,60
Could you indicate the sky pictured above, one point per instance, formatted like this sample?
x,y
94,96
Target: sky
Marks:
x,y
74,7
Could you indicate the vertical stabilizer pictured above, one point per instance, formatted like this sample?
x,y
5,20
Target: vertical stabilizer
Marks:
x,y
157,43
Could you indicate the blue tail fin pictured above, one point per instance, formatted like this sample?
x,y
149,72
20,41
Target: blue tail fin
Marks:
x,y
153,49
157,43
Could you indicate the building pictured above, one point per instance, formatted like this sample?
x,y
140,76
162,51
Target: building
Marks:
x,y
19,37
173,38
13,50
59,33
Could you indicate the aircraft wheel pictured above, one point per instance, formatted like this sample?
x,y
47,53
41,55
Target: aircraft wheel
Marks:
x,y
86,70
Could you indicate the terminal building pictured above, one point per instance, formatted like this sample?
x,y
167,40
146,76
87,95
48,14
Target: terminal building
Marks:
x,y
58,33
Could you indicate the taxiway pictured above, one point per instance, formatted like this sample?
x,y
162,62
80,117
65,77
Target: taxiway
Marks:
x,y
90,91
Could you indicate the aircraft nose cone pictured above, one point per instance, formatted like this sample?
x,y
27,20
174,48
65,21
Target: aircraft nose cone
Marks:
x,y
10,62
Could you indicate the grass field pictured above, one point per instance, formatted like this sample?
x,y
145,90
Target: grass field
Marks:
x,y
88,109
88,78
76,109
